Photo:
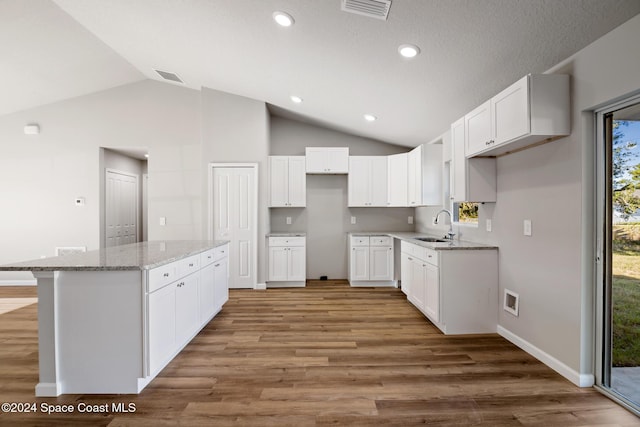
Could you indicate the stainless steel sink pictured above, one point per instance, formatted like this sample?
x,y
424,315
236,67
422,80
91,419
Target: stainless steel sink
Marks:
x,y
430,239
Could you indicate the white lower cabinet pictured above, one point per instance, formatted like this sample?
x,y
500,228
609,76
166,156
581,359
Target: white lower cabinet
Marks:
x,y
371,260
287,261
457,290
178,310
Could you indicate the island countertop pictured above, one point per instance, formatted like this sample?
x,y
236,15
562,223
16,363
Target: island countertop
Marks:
x,y
134,256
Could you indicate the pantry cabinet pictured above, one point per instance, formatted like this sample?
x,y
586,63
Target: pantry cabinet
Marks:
x,y
532,110
327,160
287,261
368,181
471,179
287,181
371,260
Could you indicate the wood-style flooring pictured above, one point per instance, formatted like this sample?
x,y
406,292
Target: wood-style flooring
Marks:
x,y
327,354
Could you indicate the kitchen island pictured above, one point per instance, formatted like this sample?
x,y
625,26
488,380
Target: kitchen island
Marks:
x,y
109,320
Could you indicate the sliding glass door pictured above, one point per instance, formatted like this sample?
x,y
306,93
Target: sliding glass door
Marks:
x,y
619,252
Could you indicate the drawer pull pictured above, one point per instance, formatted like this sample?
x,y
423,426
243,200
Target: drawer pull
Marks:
x,y
209,257
166,274
191,265
217,265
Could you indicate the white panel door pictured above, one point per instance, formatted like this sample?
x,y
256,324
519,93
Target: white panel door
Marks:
x,y
279,181
121,208
432,292
378,181
297,261
397,179
278,264
297,181
235,219
380,263
359,263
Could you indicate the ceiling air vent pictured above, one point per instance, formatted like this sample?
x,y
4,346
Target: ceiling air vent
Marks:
x,y
378,9
173,77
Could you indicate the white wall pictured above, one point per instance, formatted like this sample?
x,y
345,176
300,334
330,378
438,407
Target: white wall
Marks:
x,y
236,130
40,176
327,218
553,185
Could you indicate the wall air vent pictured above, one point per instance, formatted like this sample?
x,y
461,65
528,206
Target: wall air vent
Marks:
x,y
172,77
378,9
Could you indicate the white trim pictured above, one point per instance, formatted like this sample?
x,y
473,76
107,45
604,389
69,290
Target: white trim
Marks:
x,y
260,287
256,169
581,380
21,282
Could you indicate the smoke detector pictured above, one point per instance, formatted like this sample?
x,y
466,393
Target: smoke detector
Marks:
x,y
378,9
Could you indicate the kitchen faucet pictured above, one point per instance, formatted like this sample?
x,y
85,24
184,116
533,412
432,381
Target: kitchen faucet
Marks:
x,y
450,233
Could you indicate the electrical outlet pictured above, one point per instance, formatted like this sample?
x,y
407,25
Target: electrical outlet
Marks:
x,y
527,227
163,220
288,220
353,220
488,225
409,220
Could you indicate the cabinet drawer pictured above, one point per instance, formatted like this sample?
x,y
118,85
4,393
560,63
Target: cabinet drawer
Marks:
x,y
359,240
207,257
161,276
431,256
221,252
189,265
380,241
286,241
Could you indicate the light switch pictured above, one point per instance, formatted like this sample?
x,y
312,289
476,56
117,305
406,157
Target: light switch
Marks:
x,y
163,220
288,220
488,225
353,220
527,227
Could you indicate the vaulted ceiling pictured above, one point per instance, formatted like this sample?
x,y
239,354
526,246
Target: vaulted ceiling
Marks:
x,y
343,65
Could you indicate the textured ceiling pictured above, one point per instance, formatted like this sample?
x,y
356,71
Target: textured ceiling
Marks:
x,y
343,65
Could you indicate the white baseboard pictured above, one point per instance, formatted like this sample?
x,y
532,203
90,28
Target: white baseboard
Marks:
x,y
24,282
581,380
260,286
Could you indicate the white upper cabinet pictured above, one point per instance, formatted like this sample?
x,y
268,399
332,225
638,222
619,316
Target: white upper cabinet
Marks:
x,y
327,160
533,109
472,180
287,181
397,179
367,181
424,175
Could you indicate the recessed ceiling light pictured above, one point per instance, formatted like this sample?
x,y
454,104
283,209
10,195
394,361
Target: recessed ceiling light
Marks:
x,y
295,99
370,117
283,19
408,50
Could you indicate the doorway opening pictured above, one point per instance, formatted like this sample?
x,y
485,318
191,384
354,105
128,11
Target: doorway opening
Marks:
x,y
619,252
123,193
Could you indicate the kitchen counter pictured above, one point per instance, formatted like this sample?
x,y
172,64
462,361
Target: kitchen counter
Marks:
x,y
410,236
109,320
287,235
135,256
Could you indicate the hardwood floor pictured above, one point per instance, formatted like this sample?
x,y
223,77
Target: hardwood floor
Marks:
x,y
322,355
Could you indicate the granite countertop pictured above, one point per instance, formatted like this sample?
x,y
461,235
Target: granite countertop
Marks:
x,y
410,236
135,256
287,235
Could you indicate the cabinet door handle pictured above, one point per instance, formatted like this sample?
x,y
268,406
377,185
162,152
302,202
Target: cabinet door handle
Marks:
x,y
166,274
209,257
191,265
217,265
410,259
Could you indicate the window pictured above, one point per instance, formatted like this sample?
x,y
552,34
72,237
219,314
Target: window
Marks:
x,y
465,213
